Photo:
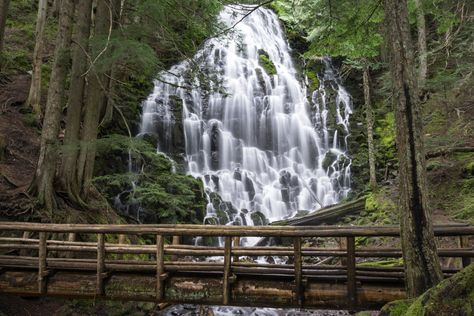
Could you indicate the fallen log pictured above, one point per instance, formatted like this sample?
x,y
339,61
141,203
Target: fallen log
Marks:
x,y
446,151
326,215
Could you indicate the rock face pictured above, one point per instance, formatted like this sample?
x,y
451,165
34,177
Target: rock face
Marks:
x,y
453,296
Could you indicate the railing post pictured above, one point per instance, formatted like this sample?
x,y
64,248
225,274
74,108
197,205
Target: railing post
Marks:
x,y
100,290
71,237
24,252
464,242
227,266
159,267
176,241
351,274
42,264
236,244
298,271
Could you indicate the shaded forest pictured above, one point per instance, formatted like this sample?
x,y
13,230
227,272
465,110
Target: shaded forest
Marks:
x,y
74,76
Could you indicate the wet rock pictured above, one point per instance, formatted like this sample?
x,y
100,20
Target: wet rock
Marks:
x,y
150,138
249,188
258,218
237,174
329,159
260,79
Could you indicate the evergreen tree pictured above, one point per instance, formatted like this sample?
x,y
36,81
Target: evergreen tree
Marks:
x,y
422,268
34,96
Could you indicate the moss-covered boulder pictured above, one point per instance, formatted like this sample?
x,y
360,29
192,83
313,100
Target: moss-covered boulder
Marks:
x,y
453,296
468,169
266,63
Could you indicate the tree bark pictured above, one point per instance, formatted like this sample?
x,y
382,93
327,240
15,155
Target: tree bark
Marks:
x,y
109,110
421,262
422,48
34,96
96,98
4,4
42,184
369,117
81,33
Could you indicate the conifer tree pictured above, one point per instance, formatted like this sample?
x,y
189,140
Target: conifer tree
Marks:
x,y
422,267
34,96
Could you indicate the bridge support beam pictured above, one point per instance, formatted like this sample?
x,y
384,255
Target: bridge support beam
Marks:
x,y
351,274
299,291
227,265
159,268
100,289
42,264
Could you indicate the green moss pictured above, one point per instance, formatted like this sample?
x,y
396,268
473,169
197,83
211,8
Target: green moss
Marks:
x,y
383,263
453,296
396,308
469,169
265,62
30,119
313,80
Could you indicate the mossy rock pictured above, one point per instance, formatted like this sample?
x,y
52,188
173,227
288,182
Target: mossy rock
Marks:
x,y
313,80
453,296
396,308
258,218
266,63
468,169
329,159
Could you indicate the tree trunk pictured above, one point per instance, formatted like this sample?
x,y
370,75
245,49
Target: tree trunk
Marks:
x,y
55,7
81,33
4,4
422,48
109,110
96,98
369,116
421,262
42,185
34,97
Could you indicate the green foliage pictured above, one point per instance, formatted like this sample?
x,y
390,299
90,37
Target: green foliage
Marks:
x,y
20,36
345,28
380,209
166,197
385,136
265,62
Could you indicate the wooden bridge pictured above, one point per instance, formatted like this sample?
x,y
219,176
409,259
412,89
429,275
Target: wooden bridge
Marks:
x,y
105,261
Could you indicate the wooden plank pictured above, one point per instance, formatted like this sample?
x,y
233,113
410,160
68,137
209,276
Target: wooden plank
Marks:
x,y
227,266
100,290
464,242
42,264
159,268
299,293
351,274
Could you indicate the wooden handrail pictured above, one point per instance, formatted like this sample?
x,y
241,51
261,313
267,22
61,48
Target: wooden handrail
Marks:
x,y
232,231
109,257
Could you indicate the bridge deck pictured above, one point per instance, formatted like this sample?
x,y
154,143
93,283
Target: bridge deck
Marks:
x,y
32,263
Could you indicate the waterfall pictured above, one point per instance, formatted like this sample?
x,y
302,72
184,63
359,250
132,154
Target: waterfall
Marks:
x,y
254,135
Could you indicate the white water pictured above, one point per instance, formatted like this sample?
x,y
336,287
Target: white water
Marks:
x,y
260,142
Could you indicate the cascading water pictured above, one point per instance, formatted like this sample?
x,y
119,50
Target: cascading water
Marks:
x,y
251,133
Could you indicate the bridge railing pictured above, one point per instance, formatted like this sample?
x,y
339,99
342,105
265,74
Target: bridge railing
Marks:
x,y
30,245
